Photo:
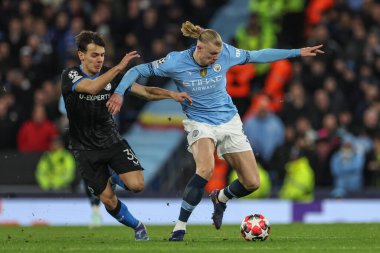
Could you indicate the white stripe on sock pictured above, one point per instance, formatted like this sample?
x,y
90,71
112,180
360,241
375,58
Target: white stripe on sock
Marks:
x,y
222,197
180,225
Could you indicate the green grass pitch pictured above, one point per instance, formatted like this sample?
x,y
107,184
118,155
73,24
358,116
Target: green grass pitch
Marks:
x,y
345,238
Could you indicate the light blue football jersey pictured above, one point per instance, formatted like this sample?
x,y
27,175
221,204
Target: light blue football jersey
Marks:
x,y
205,85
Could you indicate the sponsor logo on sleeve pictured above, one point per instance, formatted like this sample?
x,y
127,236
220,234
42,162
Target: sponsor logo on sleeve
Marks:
x,y
77,78
158,62
72,74
238,53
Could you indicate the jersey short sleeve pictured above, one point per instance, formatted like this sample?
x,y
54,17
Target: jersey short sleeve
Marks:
x,y
70,78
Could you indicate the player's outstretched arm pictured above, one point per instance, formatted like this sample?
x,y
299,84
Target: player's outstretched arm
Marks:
x,y
149,93
94,86
271,55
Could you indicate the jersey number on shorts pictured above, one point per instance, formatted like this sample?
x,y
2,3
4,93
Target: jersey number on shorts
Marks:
x,y
131,156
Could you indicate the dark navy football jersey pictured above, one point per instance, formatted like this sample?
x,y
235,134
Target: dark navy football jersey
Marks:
x,y
91,126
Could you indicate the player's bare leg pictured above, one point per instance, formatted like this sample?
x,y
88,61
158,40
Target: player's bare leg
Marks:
x,y
246,168
108,198
133,180
248,181
120,211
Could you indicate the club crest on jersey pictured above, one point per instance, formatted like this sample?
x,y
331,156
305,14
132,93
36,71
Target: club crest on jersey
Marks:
x,y
203,72
217,67
108,86
72,74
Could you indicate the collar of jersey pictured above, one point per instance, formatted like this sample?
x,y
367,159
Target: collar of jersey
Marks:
x,y
89,77
191,53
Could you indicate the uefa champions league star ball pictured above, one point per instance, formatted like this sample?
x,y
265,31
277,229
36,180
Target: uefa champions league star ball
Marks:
x,y
255,227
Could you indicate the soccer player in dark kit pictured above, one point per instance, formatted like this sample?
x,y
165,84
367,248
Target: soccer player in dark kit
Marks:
x,y
94,138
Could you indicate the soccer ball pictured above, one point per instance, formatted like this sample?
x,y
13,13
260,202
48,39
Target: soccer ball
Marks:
x,y
255,227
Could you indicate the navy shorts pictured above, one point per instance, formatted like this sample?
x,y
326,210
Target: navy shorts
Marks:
x,y
93,164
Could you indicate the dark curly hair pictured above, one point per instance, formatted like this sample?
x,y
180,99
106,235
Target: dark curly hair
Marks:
x,y
87,37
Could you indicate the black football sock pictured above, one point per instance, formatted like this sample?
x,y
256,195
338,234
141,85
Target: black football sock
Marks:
x,y
236,190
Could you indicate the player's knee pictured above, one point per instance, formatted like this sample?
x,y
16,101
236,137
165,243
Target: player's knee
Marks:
x,y
205,172
110,202
137,186
252,185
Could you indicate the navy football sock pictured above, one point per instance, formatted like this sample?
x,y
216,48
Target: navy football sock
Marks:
x,y
236,190
192,196
122,215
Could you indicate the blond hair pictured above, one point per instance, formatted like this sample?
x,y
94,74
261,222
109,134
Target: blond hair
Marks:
x,y
204,35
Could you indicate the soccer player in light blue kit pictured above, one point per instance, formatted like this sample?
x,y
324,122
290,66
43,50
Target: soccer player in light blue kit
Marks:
x,y
212,120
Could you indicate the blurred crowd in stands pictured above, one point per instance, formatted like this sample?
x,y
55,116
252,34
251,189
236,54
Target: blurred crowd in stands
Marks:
x,y
311,122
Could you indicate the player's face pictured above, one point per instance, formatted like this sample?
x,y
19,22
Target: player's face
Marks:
x,y
209,54
92,60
